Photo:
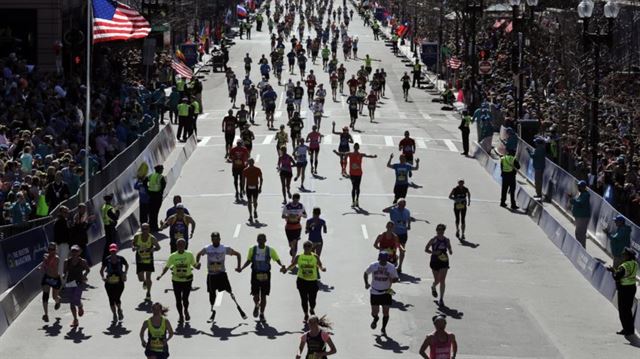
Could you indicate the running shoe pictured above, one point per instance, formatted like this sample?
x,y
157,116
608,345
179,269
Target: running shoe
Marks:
x,y
374,323
255,311
81,311
434,293
56,306
45,318
74,323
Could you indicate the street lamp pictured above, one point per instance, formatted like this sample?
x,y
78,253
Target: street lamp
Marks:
x,y
598,37
474,9
517,53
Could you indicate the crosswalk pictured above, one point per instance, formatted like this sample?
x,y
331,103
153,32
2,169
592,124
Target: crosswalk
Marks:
x,y
381,115
445,144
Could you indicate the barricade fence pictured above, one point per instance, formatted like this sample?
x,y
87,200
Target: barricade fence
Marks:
x,y
591,269
18,297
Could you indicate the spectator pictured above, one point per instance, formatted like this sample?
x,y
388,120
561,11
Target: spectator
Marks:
x,y
619,239
20,210
57,191
539,157
581,210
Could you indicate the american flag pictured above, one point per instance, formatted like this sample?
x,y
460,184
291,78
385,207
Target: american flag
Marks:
x,y
114,21
454,63
181,69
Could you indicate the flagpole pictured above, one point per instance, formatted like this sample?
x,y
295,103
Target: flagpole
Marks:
x,y
87,118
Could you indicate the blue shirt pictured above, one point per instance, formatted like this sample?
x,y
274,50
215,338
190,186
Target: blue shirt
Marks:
x,y
581,205
171,211
402,173
314,227
620,239
400,219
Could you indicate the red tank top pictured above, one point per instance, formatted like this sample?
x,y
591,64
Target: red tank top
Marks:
x,y
440,350
355,164
387,241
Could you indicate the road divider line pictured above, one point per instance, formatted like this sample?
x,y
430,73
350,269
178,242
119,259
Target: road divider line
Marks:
x,y
281,99
365,233
450,145
327,139
357,139
388,140
421,144
218,299
236,232
203,116
303,114
267,140
257,159
204,141
277,114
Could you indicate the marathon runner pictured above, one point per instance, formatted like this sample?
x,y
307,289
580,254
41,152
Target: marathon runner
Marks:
x,y
217,279
342,71
253,180
298,93
247,136
75,272
51,280
159,333
144,244
260,257
285,168
352,84
239,156
252,100
292,213
308,264
300,154
181,262
116,268
247,64
406,85
441,344
316,339
291,57
408,147
372,101
333,80
401,218
282,137
383,275
233,89
269,97
242,117
318,110
315,226
402,172
229,124
383,81
178,225
355,170
343,146
311,86
438,247
296,124
389,243
461,200
314,138
246,85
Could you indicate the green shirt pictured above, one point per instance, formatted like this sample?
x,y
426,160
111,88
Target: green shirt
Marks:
x,y
308,267
272,253
181,265
183,109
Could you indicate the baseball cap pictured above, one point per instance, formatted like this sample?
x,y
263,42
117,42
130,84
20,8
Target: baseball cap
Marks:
x,y
113,247
75,247
582,183
619,218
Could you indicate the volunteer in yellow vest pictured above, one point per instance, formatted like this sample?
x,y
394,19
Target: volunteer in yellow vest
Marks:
x,y
509,167
156,183
625,276
181,85
307,282
144,244
183,119
464,131
109,215
114,273
160,332
417,71
193,118
181,263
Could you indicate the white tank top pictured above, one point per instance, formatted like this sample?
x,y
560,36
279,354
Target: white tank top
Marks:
x,y
215,258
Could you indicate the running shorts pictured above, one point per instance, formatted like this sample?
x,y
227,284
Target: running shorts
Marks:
x,y
293,234
403,238
437,264
218,282
381,299
145,267
228,138
353,113
55,283
301,164
252,194
260,283
285,174
400,190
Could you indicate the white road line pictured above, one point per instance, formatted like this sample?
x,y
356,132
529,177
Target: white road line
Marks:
x,y
303,114
277,114
218,299
421,144
203,116
388,140
204,141
268,139
328,139
357,139
236,232
426,116
282,95
365,234
257,159
450,145
402,115
452,117
342,101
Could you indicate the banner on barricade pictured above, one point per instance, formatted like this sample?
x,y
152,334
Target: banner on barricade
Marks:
x,y
22,253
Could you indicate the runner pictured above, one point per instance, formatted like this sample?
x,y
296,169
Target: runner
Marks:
x,y
307,282
253,180
408,147
144,244
355,170
282,137
300,154
402,172
181,262
441,343
233,90
51,280
406,85
314,138
242,117
296,124
361,94
160,332
353,84
252,100
311,86
239,156
247,137
321,93
461,200
401,218
383,81
229,124
293,212
318,111
298,93
291,57
383,275
269,96
285,168
325,57
246,85
75,272
260,257
316,339
372,101
247,64
217,279
315,226
178,225
341,76
389,243
116,268
438,247
333,80
343,146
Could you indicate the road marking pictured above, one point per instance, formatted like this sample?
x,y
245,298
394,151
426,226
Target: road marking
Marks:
x,y
204,141
327,139
278,114
388,140
281,99
421,144
452,117
331,194
426,116
357,139
236,232
218,299
450,145
203,116
303,113
268,139
342,101
257,159
402,115
365,234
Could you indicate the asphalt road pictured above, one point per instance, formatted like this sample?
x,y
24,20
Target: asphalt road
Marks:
x,y
510,295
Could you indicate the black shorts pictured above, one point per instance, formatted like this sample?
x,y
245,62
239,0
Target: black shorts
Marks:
x,y
307,286
293,234
236,171
381,299
252,193
314,150
270,108
249,146
228,138
301,164
408,157
286,174
260,286
400,190
55,283
437,264
353,113
218,282
158,355
402,238
145,267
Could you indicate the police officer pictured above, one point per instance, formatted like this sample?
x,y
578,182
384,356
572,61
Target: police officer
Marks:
x,y
417,71
194,111
625,276
464,131
183,119
509,167
394,42
156,184
110,215
181,85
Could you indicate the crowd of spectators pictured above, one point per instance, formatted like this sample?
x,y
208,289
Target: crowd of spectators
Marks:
x,y
42,117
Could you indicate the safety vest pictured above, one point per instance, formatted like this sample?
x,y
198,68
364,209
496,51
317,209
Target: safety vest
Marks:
x,y
507,162
183,109
155,182
417,67
42,209
104,210
180,84
261,266
630,272
196,107
157,335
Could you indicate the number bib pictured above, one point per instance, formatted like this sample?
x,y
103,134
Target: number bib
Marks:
x,y
215,267
443,257
460,205
145,256
113,279
156,345
262,277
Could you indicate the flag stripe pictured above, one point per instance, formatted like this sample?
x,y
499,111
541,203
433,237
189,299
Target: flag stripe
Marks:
x,y
181,69
124,23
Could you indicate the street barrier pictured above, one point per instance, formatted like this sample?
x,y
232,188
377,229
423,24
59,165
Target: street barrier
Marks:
x,y
593,270
18,297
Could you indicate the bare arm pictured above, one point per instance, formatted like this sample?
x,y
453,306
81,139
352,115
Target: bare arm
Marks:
x,y
300,349
294,262
389,161
332,347
238,257
454,345
424,347
427,248
417,166
142,331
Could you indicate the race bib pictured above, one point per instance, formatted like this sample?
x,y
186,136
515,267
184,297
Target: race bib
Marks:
x,y
113,279
460,205
156,344
293,218
443,257
252,187
262,277
181,271
355,166
402,177
239,162
215,267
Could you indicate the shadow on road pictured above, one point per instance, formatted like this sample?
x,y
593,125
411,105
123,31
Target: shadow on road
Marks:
x,y
145,306
634,340
387,343
324,287
53,329
465,243
116,330
449,312
76,335
186,331
263,329
224,333
401,306
404,277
